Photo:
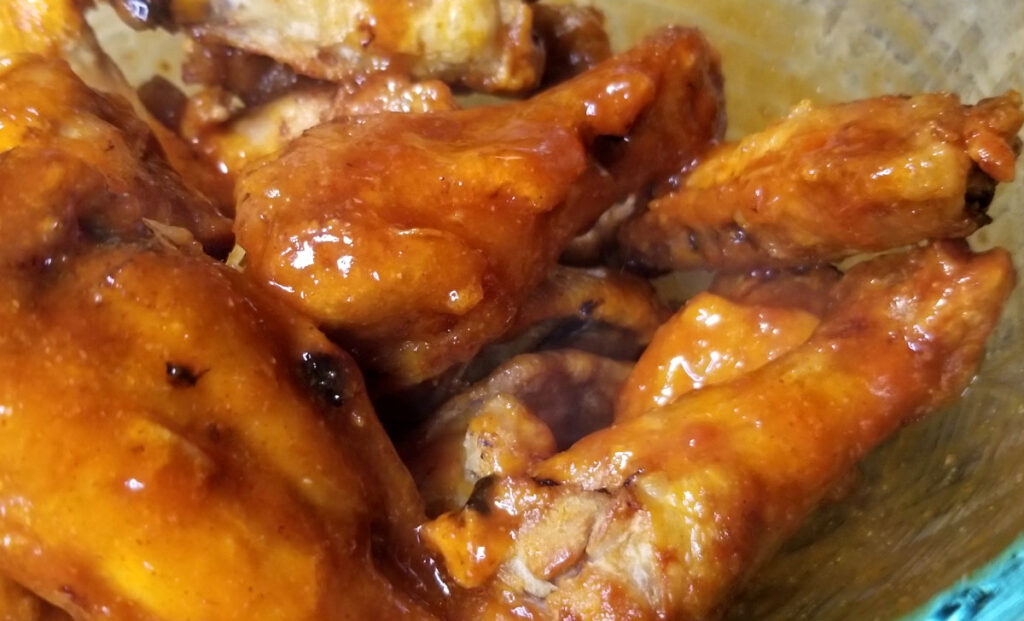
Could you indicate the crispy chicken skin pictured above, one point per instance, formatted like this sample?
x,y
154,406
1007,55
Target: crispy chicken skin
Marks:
x,y
175,446
828,183
44,105
596,310
414,238
481,44
663,515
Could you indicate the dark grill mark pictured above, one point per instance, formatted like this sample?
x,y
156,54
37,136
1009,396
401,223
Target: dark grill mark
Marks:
x,y
479,500
181,375
980,190
325,376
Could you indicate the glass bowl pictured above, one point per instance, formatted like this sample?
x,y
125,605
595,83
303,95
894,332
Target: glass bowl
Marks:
x,y
933,527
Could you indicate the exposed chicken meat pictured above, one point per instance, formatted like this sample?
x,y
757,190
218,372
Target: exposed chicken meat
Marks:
x,y
663,515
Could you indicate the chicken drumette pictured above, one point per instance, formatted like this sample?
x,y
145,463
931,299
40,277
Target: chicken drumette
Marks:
x,y
415,238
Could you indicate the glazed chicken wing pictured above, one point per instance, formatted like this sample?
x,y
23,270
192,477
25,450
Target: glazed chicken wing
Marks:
x,y
828,183
742,323
45,106
414,238
175,446
56,29
482,44
663,515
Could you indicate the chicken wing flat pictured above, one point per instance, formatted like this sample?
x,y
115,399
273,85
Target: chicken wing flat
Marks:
x,y
482,44
710,341
174,445
414,238
597,310
594,295
828,183
663,515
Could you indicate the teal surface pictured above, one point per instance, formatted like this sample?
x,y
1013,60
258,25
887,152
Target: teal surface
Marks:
x,y
995,593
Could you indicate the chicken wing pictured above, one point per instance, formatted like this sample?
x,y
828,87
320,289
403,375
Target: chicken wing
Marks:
x,y
741,324
663,515
482,44
528,408
17,604
45,106
175,445
56,29
592,296
414,238
600,311
828,183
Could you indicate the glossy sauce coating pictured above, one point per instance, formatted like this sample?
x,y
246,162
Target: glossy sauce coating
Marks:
x,y
175,461
414,238
44,106
743,322
829,183
57,30
164,421
696,494
709,341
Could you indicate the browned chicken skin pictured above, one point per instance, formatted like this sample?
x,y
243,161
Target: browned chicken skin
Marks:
x,y
662,515
175,445
832,182
44,105
180,444
573,37
597,310
415,237
57,29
